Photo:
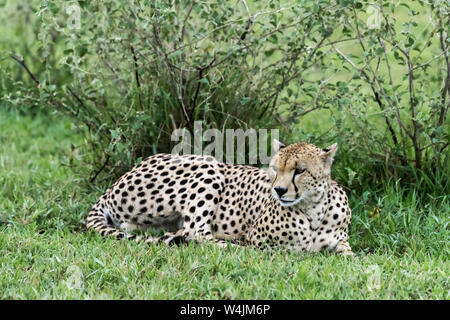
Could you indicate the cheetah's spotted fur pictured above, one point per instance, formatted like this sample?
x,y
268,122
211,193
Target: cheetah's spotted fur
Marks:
x,y
293,204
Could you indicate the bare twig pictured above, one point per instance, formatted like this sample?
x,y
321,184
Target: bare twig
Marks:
x,y
101,169
412,108
136,75
197,90
21,61
249,23
183,27
76,97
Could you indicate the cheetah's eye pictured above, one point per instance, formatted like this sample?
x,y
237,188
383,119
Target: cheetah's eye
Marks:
x,y
299,171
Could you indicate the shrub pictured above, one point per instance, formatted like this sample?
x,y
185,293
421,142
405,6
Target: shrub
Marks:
x,y
132,71
386,86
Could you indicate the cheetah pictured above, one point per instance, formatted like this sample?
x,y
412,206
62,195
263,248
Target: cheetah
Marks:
x,y
292,204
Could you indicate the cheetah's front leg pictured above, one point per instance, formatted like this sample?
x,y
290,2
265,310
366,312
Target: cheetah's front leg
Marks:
x,y
170,238
343,248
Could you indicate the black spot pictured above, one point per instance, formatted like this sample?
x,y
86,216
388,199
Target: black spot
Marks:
x,y
109,220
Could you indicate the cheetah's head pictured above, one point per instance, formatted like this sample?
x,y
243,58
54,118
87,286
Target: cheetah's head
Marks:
x,y
300,172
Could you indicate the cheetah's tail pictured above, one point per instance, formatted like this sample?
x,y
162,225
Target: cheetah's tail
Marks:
x,y
100,220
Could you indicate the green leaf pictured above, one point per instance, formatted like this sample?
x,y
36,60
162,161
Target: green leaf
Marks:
x,y
175,54
379,51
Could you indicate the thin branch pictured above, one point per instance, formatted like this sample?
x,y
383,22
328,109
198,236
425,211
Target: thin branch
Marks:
x,y
159,48
431,60
21,61
249,23
375,92
286,80
182,79
446,89
136,75
197,90
76,97
183,28
101,169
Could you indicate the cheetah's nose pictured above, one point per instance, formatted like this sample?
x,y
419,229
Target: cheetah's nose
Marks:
x,y
280,191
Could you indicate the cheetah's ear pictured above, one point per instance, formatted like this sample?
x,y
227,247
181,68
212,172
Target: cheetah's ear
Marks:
x,y
328,154
277,145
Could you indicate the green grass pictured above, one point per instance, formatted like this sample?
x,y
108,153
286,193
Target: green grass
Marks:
x,y
402,253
